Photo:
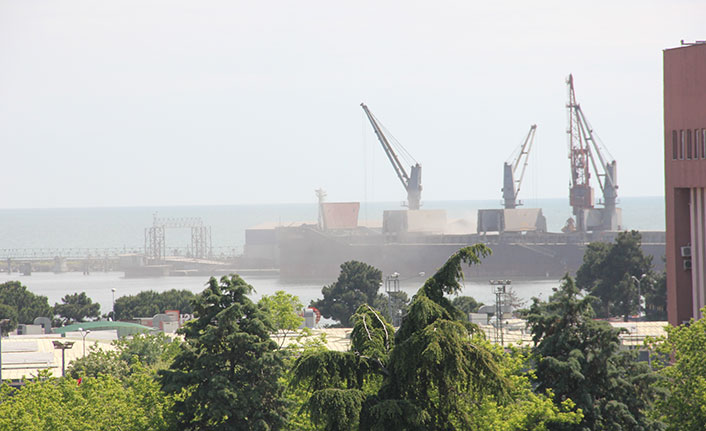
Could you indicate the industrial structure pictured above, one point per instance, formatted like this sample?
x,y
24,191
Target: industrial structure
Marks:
x,y
685,179
155,237
412,182
413,241
587,154
511,186
511,218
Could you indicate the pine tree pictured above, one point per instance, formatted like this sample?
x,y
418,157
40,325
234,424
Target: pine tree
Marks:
x,y
229,371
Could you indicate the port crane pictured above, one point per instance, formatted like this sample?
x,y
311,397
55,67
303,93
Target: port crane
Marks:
x,y
586,152
412,182
511,187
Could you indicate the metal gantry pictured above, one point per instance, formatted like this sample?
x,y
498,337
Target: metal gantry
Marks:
x,y
500,291
155,237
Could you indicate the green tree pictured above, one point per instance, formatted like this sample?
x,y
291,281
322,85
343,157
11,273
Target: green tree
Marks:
x,y
684,367
607,272
26,304
148,303
579,358
100,403
228,372
9,315
357,284
436,373
282,310
338,383
140,352
528,410
394,306
77,307
656,298
467,304
426,377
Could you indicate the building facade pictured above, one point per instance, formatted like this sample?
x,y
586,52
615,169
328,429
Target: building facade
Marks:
x,y
685,180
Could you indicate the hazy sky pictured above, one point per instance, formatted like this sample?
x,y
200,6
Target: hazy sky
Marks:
x,y
112,103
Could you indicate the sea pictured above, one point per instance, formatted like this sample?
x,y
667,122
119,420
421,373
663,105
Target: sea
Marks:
x,y
123,228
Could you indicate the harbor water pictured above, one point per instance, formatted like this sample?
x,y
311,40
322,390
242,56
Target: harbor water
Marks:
x,y
123,228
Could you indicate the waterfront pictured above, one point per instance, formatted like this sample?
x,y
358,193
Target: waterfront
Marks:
x,y
98,285
124,227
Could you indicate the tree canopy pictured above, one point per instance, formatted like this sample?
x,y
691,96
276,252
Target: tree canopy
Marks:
x,y
140,352
578,358
26,305
357,284
77,307
148,303
656,298
99,403
467,304
228,373
683,357
8,315
607,273
437,372
414,380
282,309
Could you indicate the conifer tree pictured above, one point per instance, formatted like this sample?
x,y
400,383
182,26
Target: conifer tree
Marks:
x,y
229,371
357,284
578,358
425,378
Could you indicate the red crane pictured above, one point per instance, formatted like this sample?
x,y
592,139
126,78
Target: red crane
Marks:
x,y
582,146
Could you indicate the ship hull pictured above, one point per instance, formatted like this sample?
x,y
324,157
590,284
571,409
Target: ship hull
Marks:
x,y
308,254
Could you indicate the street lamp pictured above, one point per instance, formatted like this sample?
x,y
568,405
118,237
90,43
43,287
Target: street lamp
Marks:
x,y
639,305
63,346
639,294
83,335
113,290
3,322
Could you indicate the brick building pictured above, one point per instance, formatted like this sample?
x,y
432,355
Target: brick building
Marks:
x,y
685,179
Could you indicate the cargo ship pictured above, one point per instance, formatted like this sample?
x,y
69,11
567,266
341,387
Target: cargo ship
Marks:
x,y
413,241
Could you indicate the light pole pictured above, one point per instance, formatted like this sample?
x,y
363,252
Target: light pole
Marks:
x,y
639,294
3,322
500,291
639,305
83,335
63,346
392,285
113,310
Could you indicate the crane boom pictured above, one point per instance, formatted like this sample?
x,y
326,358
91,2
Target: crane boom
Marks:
x,y
584,153
511,187
412,182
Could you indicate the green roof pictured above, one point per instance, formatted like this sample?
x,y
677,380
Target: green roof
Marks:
x,y
124,328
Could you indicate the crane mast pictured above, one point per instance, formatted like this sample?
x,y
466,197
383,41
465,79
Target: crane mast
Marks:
x,y
511,187
412,182
582,146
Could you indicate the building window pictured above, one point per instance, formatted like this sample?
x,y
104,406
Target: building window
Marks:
x,y
675,145
682,144
697,147
703,143
689,153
